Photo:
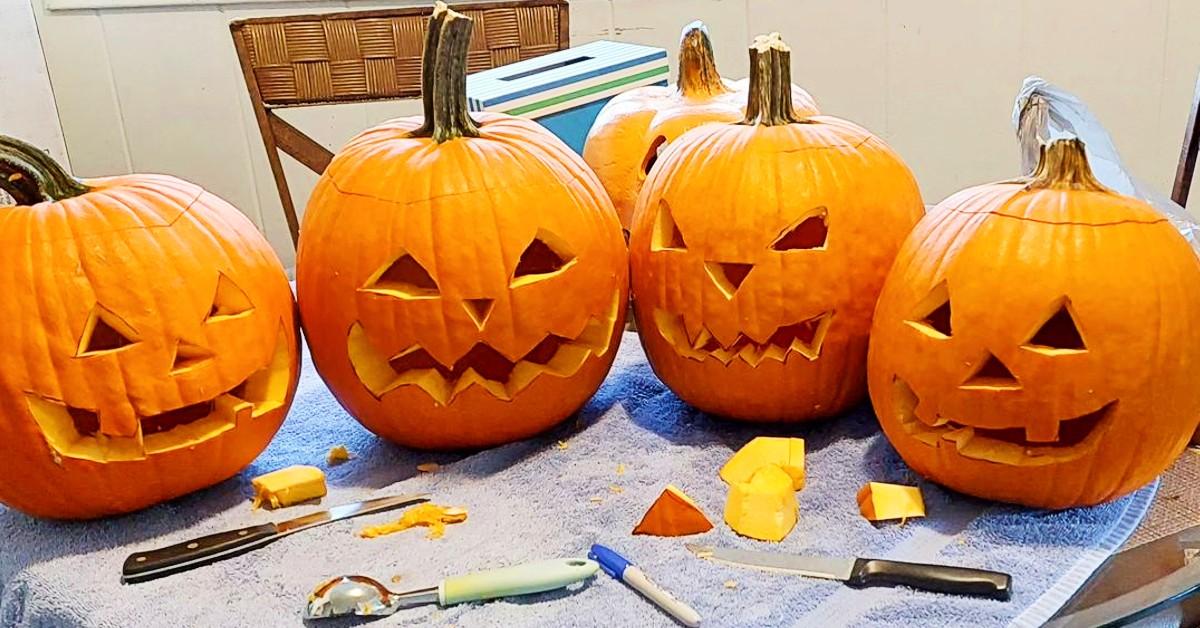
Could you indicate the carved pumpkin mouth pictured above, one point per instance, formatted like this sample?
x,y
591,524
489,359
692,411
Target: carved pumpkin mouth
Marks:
x,y
481,365
804,338
1076,436
73,432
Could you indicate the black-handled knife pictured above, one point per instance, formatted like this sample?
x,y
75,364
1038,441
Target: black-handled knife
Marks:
x,y
870,572
205,550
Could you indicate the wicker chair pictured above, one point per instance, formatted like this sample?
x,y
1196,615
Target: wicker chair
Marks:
x,y
360,56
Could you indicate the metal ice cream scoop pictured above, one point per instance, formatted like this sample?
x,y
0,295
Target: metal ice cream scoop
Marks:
x,y
360,595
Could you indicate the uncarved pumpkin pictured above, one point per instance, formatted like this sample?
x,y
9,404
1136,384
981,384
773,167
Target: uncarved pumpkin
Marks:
x,y
635,126
758,250
1038,341
462,282
151,347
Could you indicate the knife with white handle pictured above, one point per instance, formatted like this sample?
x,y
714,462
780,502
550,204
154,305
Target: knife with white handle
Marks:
x,y
869,572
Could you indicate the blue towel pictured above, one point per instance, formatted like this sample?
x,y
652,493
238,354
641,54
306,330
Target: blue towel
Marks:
x,y
551,496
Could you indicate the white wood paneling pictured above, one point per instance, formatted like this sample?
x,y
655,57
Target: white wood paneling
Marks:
x,y
160,89
27,108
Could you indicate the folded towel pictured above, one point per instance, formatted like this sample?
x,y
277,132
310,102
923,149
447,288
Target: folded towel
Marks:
x,y
552,496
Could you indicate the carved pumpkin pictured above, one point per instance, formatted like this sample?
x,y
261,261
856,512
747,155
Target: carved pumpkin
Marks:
x,y
635,126
1038,341
462,281
758,249
152,348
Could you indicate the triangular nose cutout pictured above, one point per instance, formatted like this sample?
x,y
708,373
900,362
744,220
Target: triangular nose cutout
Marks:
x,y
992,374
728,275
188,356
479,310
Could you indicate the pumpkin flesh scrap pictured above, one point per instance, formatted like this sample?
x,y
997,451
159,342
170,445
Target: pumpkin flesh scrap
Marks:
x,y
765,507
674,513
288,486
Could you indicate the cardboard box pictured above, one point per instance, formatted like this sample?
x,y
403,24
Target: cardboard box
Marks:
x,y
565,90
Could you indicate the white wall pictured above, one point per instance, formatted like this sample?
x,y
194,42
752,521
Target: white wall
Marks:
x,y
27,108
160,90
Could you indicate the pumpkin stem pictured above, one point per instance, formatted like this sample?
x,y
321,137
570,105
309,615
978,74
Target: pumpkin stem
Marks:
x,y
769,99
698,74
1064,166
30,175
444,77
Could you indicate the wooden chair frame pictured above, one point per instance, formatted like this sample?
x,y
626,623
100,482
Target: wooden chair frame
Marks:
x,y
367,56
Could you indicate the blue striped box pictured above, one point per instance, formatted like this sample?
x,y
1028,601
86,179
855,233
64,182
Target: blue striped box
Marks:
x,y
565,90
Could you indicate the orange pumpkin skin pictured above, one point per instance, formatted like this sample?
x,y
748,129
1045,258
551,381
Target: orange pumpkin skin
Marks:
x,y
423,363
633,127
725,199
192,386
1063,371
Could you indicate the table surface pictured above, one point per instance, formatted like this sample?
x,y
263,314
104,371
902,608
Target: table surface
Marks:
x,y
1177,505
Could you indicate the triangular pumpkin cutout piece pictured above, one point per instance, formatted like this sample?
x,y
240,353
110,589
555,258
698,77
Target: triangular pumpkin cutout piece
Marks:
x,y
230,300
673,514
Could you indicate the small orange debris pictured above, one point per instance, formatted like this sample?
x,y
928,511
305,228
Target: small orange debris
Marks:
x,y
428,467
337,455
673,514
288,486
621,469
562,444
879,501
615,489
396,579
430,516
596,499
731,584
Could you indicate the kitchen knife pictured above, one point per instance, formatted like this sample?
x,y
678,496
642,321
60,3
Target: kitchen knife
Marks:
x,y
1138,582
165,561
869,572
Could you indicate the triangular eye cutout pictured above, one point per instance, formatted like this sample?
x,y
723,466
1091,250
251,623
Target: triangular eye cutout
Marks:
x,y
188,356
1059,334
666,235
404,278
809,232
547,255
932,316
992,374
229,301
104,332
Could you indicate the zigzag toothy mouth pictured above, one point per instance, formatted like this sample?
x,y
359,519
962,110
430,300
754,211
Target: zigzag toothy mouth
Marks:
x,y
1075,437
482,365
73,432
804,338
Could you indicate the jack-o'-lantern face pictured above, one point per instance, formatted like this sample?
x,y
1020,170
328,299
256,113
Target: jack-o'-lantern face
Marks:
x,y
1038,343
482,324
478,306
754,298
152,346
111,420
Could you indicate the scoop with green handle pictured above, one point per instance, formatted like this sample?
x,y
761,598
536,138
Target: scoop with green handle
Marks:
x,y
360,595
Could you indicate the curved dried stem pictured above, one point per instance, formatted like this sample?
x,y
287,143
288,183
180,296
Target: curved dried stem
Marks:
x,y
698,74
31,176
1064,166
